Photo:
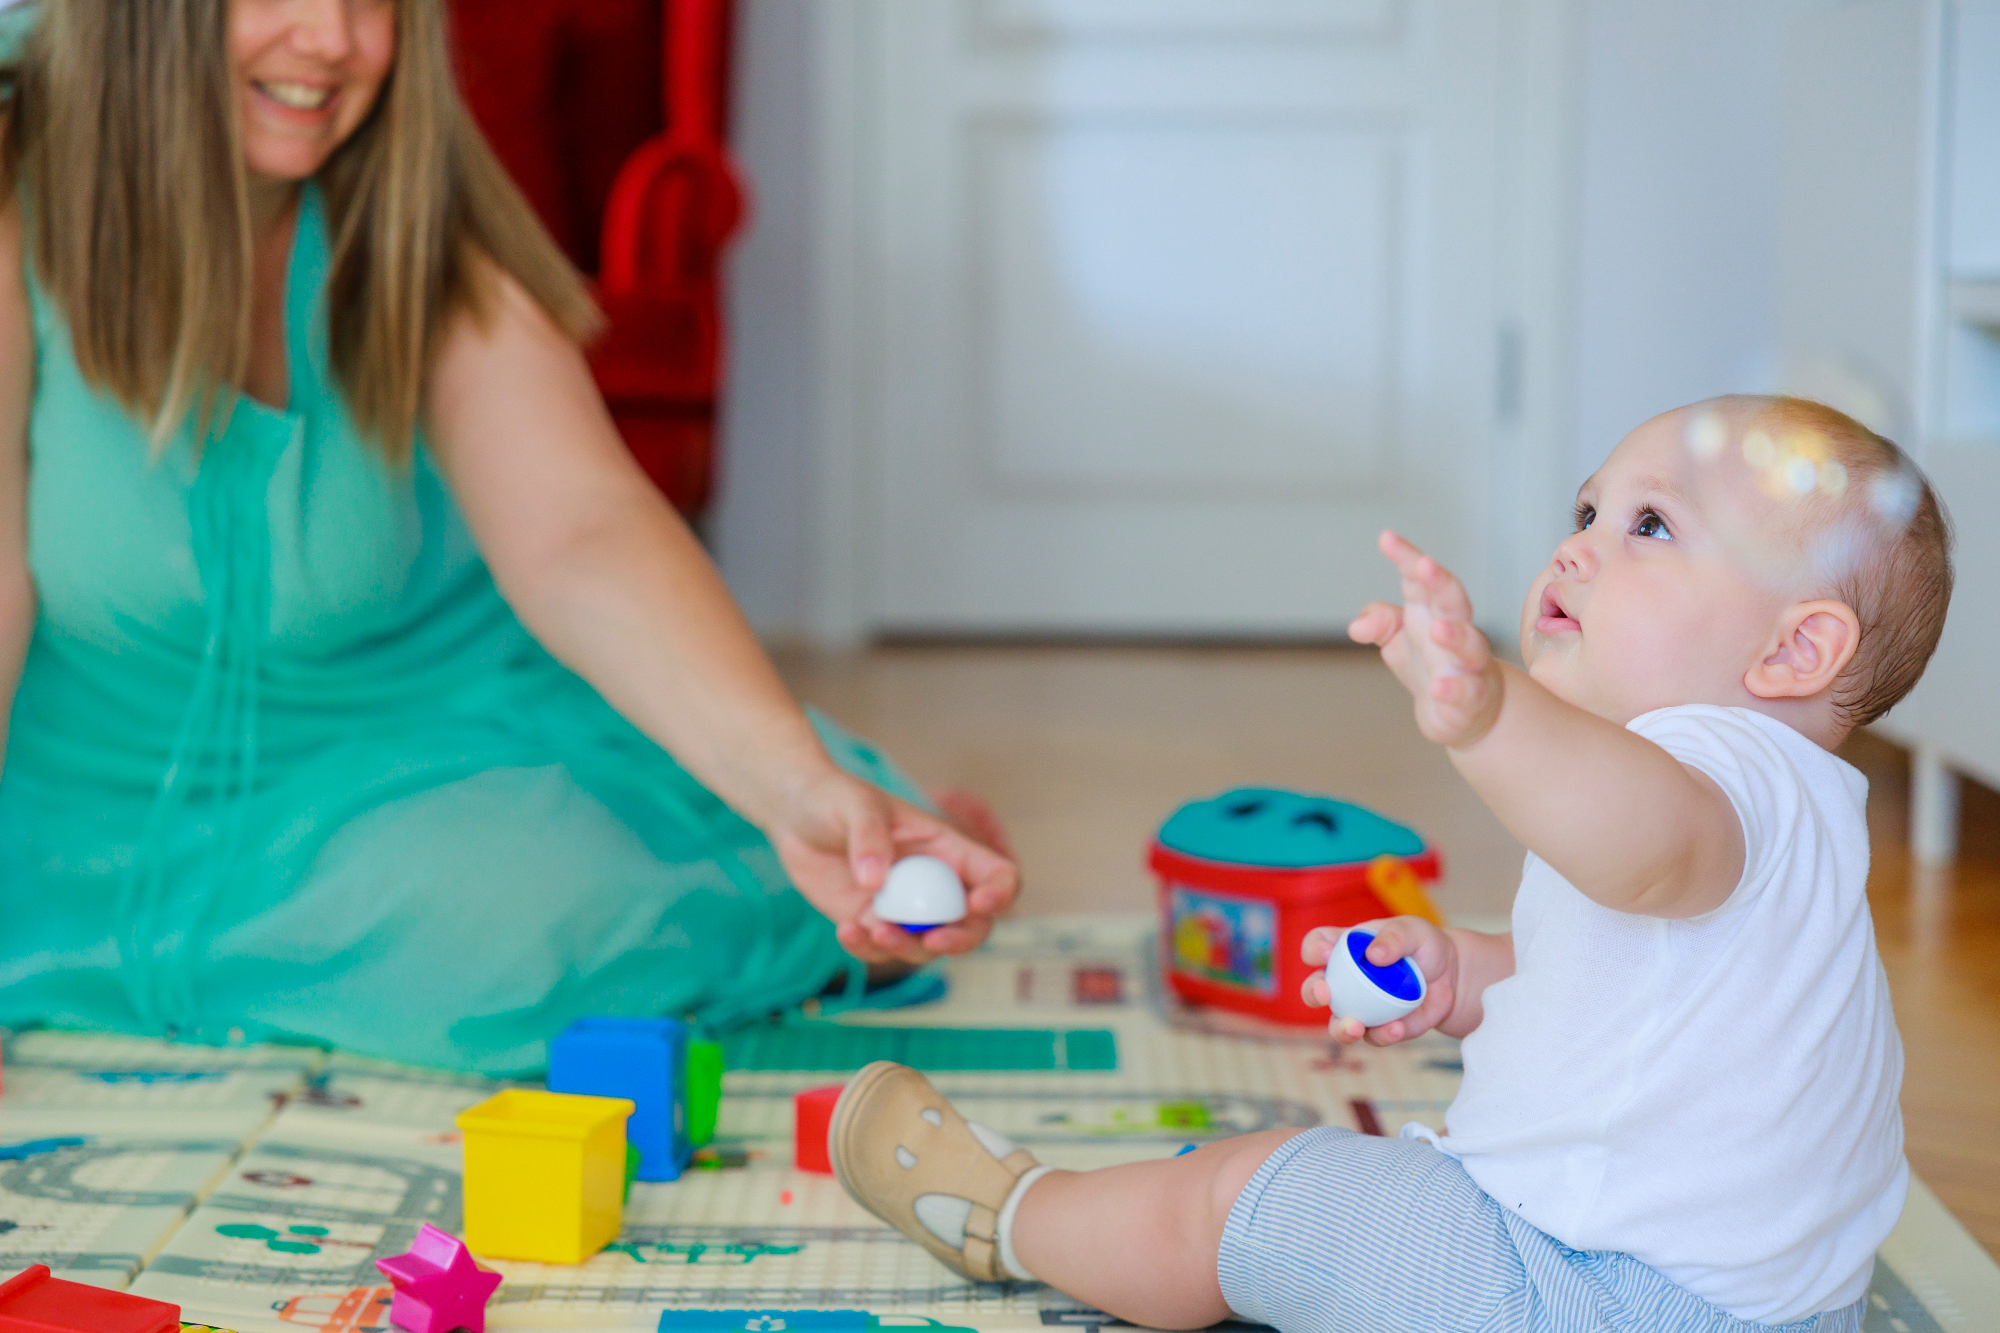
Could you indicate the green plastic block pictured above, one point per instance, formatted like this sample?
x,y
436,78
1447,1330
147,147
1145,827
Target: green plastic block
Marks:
x,y
704,1089
631,1169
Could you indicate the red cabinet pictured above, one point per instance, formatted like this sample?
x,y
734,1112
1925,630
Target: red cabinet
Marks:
x,y
610,115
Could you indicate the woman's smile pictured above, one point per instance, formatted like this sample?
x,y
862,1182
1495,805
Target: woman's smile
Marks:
x,y
300,98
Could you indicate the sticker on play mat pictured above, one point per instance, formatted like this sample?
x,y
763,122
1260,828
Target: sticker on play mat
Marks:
x,y
837,1048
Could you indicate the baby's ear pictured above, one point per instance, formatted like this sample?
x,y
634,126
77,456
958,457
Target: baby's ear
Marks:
x,y
1812,644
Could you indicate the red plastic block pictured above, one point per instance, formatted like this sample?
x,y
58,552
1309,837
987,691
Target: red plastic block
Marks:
x,y
33,1302
812,1113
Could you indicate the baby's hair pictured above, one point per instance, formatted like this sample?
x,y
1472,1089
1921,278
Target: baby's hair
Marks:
x,y
1882,513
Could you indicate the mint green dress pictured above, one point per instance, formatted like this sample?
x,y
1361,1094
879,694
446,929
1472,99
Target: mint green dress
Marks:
x,y
283,765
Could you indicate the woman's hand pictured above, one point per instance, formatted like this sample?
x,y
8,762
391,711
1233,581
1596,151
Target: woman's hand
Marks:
x,y
1430,643
838,837
1434,953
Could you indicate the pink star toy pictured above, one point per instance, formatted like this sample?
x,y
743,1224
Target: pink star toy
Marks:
x,y
439,1285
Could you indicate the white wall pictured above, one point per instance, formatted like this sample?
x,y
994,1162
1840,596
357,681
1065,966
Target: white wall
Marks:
x,y
1678,228
1675,285
760,526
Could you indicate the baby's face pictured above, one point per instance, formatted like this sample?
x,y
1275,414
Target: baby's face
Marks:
x,y
1652,601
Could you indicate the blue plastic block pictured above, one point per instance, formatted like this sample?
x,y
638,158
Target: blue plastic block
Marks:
x,y
644,1059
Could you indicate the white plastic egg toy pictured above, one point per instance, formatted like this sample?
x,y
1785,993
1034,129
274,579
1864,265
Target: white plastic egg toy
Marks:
x,y
1359,989
921,892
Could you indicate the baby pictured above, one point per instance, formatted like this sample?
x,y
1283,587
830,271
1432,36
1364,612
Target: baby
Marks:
x,y
1679,1108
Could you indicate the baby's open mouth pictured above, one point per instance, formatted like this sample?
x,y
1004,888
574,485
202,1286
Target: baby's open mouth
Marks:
x,y
1555,619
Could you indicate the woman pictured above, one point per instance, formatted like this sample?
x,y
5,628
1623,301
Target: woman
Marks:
x,y
350,644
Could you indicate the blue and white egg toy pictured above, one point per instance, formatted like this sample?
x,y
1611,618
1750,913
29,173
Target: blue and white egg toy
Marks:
x,y
1360,990
921,892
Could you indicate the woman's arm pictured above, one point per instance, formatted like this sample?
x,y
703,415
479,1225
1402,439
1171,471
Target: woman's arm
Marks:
x,y
606,575
17,391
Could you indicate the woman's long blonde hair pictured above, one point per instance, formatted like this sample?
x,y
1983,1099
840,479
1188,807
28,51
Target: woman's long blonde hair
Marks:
x,y
122,134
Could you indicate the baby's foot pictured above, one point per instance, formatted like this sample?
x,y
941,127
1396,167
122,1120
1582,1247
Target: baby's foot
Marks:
x,y
906,1155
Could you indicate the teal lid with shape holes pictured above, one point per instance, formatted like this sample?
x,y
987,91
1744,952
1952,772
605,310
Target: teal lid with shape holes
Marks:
x,y
1279,829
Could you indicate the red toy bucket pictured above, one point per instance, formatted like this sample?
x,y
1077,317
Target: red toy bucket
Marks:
x,y
1232,928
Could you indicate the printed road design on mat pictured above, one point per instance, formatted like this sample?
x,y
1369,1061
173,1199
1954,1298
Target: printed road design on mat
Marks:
x,y
256,1186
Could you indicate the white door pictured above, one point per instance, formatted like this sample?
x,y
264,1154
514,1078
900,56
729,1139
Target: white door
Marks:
x,y
1180,302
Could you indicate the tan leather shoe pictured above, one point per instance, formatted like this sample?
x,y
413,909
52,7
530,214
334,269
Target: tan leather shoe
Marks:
x,y
906,1155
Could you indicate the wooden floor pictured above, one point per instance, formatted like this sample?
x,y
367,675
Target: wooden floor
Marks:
x,y
1083,751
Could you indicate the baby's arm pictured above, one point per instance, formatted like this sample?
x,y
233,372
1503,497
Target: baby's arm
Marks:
x,y
1458,965
1629,825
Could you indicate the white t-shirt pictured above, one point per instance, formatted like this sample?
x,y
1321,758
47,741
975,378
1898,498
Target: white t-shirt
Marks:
x,y
1716,1097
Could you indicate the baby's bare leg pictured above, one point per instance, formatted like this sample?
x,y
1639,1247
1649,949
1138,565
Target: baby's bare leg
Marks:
x,y
1140,1241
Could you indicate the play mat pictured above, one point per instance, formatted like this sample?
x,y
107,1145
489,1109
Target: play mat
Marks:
x,y
254,1186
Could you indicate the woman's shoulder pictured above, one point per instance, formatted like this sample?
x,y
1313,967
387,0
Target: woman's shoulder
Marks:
x,y
498,322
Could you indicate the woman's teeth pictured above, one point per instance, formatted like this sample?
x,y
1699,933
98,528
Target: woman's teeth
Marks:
x,y
298,96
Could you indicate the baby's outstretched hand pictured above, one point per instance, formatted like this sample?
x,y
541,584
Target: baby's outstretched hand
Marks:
x,y
1430,643
1411,937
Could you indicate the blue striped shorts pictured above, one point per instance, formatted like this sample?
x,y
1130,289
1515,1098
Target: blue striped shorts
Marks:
x,y
1424,1248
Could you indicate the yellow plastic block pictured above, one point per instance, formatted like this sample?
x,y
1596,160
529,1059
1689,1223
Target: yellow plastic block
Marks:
x,y
544,1175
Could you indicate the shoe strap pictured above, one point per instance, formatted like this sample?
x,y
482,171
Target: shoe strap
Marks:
x,y
982,1248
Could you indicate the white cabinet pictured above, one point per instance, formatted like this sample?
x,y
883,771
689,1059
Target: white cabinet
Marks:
x,y
1889,307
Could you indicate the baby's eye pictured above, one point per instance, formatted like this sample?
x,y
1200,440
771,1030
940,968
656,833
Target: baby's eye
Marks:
x,y
1585,515
1650,524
